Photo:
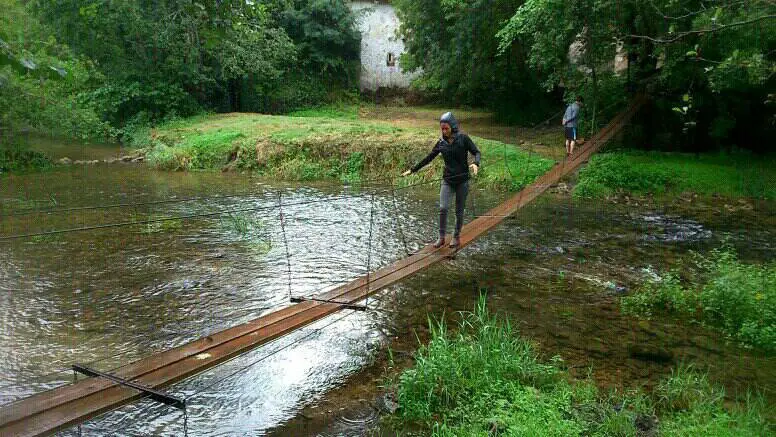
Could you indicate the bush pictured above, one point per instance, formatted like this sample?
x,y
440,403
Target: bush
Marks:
x,y
667,294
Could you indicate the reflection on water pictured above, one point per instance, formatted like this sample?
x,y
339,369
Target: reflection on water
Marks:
x,y
111,296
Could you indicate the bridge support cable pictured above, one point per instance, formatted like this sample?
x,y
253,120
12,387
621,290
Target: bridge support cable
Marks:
x,y
285,240
399,228
369,249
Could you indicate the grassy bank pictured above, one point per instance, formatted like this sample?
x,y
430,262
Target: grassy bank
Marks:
x,y
321,145
718,291
730,175
485,380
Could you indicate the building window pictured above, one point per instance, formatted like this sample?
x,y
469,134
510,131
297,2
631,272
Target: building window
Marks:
x,y
391,62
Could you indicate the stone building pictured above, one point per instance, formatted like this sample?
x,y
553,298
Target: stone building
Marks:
x,y
380,47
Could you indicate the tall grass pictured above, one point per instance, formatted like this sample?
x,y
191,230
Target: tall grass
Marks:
x,y
735,297
485,380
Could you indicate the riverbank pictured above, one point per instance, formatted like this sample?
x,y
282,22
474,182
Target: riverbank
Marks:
x,y
311,147
366,142
657,173
484,379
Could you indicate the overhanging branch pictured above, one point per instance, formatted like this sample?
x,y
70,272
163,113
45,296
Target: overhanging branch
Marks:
x,y
718,28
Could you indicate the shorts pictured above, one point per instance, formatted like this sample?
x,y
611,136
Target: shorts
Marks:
x,y
571,133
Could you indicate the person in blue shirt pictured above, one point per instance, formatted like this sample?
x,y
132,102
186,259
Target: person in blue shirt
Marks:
x,y
455,147
569,123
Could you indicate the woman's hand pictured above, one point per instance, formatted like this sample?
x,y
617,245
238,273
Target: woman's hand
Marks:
x,y
406,173
474,168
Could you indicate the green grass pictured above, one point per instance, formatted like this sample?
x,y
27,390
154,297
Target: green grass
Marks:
x,y
322,145
730,175
721,292
485,380
208,150
335,111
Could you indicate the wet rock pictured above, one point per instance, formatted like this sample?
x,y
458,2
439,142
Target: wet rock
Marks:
x,y
388,402
126,158
65,161
651,353
138,159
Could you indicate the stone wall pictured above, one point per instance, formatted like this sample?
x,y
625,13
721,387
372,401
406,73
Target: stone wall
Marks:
x,y
380,47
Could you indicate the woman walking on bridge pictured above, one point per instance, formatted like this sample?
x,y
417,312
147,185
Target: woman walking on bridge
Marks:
x,y
455,147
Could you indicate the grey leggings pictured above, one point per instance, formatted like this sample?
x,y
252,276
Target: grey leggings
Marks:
x,y
445,198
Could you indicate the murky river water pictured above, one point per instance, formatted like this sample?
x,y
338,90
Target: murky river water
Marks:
x,y
110,296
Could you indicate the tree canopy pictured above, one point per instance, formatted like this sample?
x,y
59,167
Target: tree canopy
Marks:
x,y
709,64
154,59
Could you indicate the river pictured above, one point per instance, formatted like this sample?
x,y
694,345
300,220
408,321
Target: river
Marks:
x,y
109,296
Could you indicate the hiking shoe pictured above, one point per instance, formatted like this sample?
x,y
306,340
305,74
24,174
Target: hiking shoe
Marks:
x,y
440,242
455,242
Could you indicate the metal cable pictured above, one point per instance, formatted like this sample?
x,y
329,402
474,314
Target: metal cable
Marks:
x,y
241,369
399,228
369,250
285,241
119,205
164,219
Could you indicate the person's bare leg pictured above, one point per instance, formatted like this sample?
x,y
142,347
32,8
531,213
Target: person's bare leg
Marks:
x,y
572,143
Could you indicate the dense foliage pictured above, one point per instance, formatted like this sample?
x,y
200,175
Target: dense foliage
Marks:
x,y
40,79
709,65
453,42
120,64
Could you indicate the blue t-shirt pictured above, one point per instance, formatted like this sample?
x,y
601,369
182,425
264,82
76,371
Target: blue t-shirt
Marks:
x,y
572,111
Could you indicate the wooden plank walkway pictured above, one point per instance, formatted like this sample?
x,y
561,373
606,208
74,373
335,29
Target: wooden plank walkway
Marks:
x,y
61,408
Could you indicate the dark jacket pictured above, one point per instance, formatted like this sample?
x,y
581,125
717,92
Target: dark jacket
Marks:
x,y
455,155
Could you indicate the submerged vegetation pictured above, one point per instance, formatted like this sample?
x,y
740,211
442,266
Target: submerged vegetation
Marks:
x,y
719,291
485,380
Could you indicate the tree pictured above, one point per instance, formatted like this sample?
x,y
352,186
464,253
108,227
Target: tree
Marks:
x,y
453,43
39,78
711,79
163,58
